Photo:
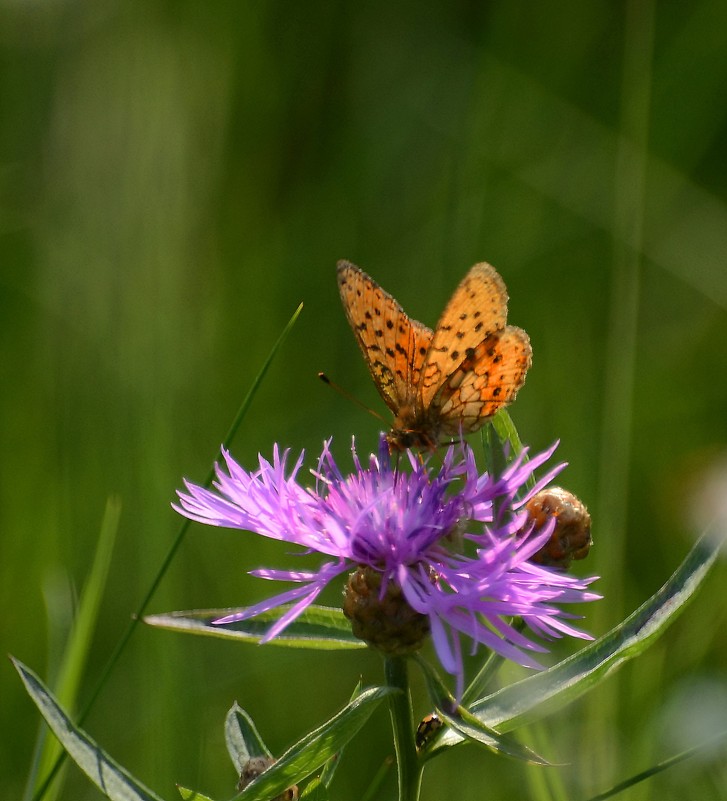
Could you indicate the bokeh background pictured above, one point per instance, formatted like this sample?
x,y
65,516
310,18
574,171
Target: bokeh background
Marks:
x,y
176,177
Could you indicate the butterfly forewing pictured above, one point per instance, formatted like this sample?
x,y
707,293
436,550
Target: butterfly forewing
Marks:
x,y
393,345
477,308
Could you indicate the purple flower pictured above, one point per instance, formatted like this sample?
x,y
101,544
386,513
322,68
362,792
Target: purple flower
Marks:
x,y
456,542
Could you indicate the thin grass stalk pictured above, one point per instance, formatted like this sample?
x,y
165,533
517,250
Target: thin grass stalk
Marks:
x,y
616,441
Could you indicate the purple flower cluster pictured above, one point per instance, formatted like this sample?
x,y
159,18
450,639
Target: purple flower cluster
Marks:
x,y
457,542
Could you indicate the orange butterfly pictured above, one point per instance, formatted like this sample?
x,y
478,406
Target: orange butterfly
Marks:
x,y
444,382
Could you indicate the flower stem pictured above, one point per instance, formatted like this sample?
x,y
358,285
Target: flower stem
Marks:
x,y
410,772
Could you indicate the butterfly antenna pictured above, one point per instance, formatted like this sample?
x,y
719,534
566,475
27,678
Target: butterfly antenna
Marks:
x,y
341,391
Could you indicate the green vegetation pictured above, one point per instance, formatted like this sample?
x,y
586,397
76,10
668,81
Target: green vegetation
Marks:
x,y
175,178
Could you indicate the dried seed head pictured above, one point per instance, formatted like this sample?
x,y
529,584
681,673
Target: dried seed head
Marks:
x,y
571,537
386,622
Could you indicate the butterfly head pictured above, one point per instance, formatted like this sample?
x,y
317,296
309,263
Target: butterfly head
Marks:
x,y
413,430
402,439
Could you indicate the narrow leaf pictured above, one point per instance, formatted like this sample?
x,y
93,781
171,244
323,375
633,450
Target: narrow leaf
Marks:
x,y
242,738
315,790
468,726
331,766
506,431
471,728
111,779
192,795
374,792
540,695
319,627
313,750
665,764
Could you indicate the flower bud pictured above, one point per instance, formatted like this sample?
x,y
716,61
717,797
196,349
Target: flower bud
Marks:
x,y
386,622
571,537
257,765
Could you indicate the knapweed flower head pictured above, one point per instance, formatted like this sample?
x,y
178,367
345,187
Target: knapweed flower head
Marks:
x,y
455,544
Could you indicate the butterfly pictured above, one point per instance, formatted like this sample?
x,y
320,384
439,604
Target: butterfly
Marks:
x,y
443,383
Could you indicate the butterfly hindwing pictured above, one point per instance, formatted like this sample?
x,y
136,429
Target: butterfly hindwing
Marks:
x,y
487,380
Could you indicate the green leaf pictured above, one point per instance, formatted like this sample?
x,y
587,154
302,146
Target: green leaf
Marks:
x,y
192,795
242,738
506,431
244,742
329,769
315,790
468,726
318,627
474,730
331,766
79,642
316,748
540,695
111,779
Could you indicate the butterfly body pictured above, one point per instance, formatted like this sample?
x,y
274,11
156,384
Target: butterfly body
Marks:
x,y
441,383
414,428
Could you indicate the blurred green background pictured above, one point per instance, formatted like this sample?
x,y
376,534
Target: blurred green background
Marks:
x,y
175,177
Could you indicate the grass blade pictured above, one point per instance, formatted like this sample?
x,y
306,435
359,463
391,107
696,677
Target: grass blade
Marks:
x,y
79,643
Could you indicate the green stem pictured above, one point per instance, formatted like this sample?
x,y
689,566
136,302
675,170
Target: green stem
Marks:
x,y
410,770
